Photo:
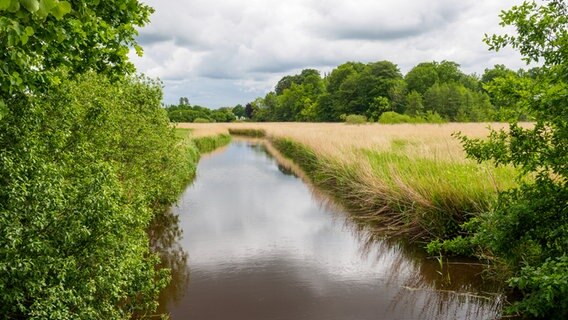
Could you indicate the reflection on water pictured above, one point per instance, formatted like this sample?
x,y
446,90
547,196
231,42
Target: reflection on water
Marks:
x,y
261,245
164,235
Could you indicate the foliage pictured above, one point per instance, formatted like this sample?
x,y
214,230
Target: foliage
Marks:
x,y
210,143
544,287
239,111
355,119
392,117
201,120
528,228
374,88
82,36
83,167
187,113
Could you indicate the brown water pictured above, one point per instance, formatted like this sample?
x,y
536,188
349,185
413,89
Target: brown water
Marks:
x,y
250,240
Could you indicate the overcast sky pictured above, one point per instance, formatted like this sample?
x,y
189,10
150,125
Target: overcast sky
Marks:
x,y
225,52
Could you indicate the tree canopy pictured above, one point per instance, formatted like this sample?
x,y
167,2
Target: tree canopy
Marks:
x,y
44,40
430,90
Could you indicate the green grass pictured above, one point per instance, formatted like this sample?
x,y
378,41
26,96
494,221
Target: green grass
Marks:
x,y
248,132
203,144
210,143
182,133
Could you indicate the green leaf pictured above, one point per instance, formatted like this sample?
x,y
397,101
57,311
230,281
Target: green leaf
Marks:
x,y
45,7
29,31
5,4
61,9
14,6
31,5
3,110
24,38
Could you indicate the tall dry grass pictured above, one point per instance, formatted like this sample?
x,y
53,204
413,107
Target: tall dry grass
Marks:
x,y
432,141
408,178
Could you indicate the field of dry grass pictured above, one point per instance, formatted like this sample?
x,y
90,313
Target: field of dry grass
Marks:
x,y
432,141
412,178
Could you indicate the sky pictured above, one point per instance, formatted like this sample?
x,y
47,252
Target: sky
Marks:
x,y
221,53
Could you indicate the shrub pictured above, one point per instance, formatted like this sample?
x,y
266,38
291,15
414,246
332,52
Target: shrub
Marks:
x,y
433,117
391,117
201,120
355,119
84,167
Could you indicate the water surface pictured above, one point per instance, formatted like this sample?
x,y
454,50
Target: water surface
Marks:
x,y
251,240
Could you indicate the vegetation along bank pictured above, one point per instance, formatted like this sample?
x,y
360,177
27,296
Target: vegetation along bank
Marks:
x,y
88,158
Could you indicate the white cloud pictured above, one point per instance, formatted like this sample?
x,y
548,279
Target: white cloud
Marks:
x,y
225,52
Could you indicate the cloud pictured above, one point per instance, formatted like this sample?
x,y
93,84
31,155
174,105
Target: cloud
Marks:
x,y
387,20
220,52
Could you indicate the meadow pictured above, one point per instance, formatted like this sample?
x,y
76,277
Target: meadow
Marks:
x,y
406,179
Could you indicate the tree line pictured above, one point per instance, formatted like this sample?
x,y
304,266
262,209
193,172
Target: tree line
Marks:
x,y
430,91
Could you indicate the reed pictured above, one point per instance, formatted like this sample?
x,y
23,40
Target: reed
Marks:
x,y
248,132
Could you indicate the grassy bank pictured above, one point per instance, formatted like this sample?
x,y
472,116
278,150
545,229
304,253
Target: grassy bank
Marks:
x,y
399,195
205,143
196,146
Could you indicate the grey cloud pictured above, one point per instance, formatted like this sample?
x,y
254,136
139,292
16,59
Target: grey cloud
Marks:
x,y
226,52
146,38
393,21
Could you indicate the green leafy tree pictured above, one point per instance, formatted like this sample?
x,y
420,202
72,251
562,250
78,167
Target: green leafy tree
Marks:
x,y
426,74
239,111
378,107
43,41
361,86
528,229
422,77
414,104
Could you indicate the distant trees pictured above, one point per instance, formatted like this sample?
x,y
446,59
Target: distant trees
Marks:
x,y
187,113
430,90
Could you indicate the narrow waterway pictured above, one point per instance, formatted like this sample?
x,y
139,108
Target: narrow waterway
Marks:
x,y
250,240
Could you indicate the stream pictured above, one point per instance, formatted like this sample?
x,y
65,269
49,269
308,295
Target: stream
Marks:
x,y
250,240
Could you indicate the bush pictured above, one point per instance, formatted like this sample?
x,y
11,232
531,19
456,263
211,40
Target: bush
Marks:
x,y
84,167
391,117
201,120
433,117
545,289
355,119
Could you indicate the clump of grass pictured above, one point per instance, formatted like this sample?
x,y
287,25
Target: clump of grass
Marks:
x,y
210,143
248,132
